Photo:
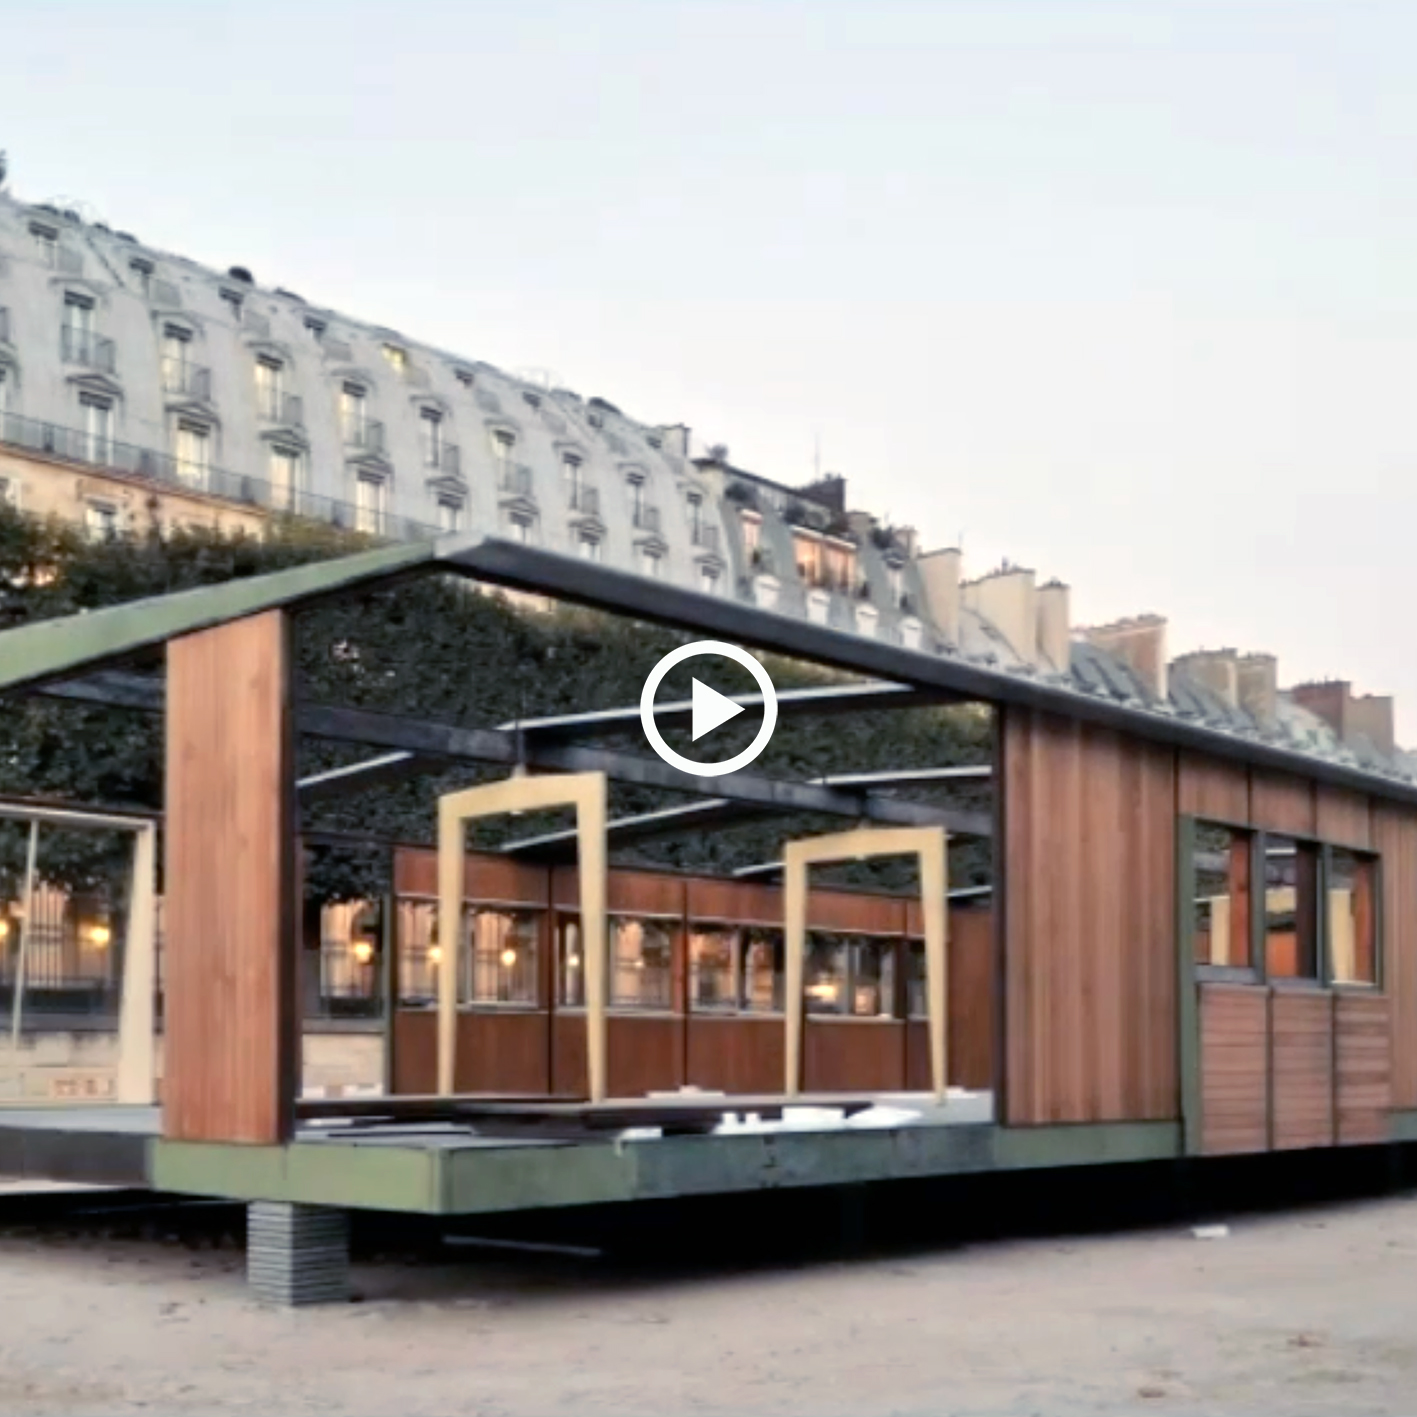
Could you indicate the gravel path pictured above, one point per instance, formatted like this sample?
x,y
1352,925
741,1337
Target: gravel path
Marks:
x,y
1314,1312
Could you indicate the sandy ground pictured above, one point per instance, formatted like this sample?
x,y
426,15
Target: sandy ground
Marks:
x,y
1310,1312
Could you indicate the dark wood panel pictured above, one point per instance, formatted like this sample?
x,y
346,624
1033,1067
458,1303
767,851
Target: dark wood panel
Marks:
x,y
1234,1064
486,877
1363,1058
1342,817
1207,787
627,892
645,1053
1280,803
1395,839
503,1051
856,913
1301,1068
568,1055
415,1052
230,1016
739,902
969,1039
1089,876
737,1054
853,1055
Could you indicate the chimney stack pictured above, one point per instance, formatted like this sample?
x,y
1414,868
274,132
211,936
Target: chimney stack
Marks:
x,y
1215,669
1007,599
939,576
1054,626
1258,676
1369,717
1140,643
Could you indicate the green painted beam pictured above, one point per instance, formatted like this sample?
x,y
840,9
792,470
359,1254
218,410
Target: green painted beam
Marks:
x,y
52,649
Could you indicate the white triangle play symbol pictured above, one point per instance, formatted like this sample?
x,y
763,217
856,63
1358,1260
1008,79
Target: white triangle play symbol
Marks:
x,y
710,708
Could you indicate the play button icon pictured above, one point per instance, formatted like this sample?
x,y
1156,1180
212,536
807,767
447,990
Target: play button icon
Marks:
x,y
708,709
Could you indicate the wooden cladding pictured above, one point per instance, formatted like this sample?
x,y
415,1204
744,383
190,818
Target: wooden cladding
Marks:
x,y
1286,1068
230,959
1090,923
1395,839
1234,1046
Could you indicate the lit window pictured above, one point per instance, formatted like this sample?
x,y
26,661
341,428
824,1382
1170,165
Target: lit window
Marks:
x,y
589,546
501,957
194,457
752,525
100,521
398,358
286,468
1352,919
850,975
371,502
419,952
270,386
713,968
764,953
430,428
449,514
96,414
641,956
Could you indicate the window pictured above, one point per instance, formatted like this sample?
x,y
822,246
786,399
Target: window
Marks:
x,y
464,377
838,565
752,525
850,975
194,457
501,957
502,445
316,326
96,416
398,358
571,972
708,580
286,467
142,273
637,498
4,391
430,428
895,577
353,412
696,517
1352,919
1220,918
807,552
78,313
571,474
46,241
650,562
521,526
450,514
588,545
713,967
641,963
176,349
100,521
270,386
419,952
764,965
371,502
9,492
1291,873
234,301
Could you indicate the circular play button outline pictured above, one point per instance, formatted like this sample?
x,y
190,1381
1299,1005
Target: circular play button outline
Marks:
x,y
692,651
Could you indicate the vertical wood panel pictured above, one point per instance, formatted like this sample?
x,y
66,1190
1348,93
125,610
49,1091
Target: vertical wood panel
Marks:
x,y
1234,1063
1395,839
1301,1068
1280,803
1211,788
732,1053
853,1055
1089,882
230,1011
1343,818
1363,1057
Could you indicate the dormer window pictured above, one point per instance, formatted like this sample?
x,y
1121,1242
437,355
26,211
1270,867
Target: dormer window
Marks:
x,y
397,357
316,326
465,377
895,577
752,525
234,301
46,240
142,270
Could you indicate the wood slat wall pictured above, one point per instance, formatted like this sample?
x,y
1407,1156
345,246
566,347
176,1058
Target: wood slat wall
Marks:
x,y
230,1017
1301,1068
1089,923
1207,787
1343,818
1234,1062
1395,839
1363,1059
1279,803
853,1055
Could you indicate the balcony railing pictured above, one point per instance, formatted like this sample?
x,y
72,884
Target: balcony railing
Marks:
x,y
706,537
443,457
585,500
277,407
367,434
193,381
515,479
85,347
74,445
647,518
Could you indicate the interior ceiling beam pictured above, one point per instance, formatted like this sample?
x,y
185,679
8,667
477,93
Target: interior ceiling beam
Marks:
x,y
438,741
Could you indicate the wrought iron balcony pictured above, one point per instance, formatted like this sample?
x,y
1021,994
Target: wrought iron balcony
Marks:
x,y
706,537
515,479
288,409
367,434
193,381
87,348
585,500
647,518
443,457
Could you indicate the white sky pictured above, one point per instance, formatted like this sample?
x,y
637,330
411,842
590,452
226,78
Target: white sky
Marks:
x,y
1124,291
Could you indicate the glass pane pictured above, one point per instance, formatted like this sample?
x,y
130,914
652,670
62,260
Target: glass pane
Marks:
x,y
1352,932
502,957
712,957
1291,909
763,953
572,965
419,952
826,974
642,953
1220,928
872,978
